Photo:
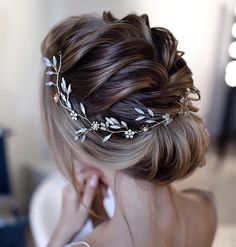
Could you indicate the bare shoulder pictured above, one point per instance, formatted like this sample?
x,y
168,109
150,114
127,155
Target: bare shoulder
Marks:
x,y
206,200
205,207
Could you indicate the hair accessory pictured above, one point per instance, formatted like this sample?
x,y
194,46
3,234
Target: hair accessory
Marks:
x,y
111,125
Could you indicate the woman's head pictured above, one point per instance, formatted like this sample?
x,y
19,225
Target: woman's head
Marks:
x,y
113,66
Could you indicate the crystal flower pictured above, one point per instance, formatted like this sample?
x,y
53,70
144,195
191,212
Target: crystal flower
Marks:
x,y
167,118
129,133
95,125
74,115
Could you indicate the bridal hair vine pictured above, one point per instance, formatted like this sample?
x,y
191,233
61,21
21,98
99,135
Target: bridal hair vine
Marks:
x,y
111,125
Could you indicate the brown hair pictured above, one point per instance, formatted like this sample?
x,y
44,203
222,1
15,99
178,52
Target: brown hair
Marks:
x,y
114,65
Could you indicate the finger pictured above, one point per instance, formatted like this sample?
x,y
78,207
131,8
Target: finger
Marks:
x,y
69,192
89,193
80,170
69,196
83,176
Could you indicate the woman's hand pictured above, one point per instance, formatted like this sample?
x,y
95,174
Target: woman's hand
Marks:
x,y
73,213
101,192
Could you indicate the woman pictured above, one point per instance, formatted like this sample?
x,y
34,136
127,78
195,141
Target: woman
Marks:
x,y
118,112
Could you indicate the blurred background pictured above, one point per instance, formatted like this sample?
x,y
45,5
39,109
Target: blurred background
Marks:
x,y
206,31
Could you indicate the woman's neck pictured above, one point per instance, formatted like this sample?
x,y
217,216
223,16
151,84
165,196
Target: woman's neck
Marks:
x,y
149,209
135,196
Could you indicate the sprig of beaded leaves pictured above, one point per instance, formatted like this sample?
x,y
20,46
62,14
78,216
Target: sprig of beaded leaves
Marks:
x,y
110,124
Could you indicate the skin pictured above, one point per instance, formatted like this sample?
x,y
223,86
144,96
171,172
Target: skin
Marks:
x,y
177,218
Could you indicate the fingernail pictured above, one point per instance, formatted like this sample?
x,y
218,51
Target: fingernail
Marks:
x,y
93,180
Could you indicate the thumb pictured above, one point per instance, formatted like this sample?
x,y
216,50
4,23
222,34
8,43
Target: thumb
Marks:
x,y
89,192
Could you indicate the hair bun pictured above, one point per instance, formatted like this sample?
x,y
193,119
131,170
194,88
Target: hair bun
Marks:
x,y
113,66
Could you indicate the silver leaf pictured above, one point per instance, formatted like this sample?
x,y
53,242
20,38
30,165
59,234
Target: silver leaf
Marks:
x,y
114,120
76,137
109,120
68,104
54,61
80,130
106,138
150,112
103,128
69,89
63,97
124,123
115,127
139,118
150,121
82,108
63,84
49,83
47,62
50,73
139,110
83,138
102,124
